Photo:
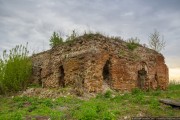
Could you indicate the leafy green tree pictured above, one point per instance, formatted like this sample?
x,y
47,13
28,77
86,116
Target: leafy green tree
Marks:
x,y
55,40
156,42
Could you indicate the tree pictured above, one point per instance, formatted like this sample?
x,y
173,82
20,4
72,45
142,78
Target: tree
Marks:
x,y
55,40
156,42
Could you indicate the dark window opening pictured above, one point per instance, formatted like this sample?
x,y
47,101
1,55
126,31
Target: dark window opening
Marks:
x,y
106,71
156,79
61,77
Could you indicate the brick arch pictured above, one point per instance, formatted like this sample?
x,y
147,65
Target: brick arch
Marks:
x,y
142,75
143,64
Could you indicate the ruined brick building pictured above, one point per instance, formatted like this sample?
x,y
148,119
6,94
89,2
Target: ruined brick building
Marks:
x,y
91,61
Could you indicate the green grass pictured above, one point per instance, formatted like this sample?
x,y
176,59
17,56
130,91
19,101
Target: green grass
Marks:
x,y
107,106
133,43
132,46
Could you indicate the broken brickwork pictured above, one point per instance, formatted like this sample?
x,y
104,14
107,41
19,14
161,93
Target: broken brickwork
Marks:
x,y
91,61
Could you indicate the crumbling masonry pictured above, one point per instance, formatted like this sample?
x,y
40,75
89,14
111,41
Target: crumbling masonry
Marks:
x,y
93,60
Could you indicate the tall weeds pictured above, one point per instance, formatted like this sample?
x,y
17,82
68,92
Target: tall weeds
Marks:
x,y
15,69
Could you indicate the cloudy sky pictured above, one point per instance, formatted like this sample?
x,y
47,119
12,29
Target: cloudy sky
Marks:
x,y
33,21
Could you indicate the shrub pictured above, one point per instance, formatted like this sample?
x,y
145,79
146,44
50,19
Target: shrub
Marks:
x,y
55,40
15,69
1,76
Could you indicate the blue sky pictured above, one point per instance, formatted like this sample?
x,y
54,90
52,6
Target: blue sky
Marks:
x,y
33,21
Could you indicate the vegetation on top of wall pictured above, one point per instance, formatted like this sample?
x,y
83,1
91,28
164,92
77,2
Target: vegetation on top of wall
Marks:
x,y
55,39
133,43
116,38
91,35
134,40
122,53
15,69
72,36
155,42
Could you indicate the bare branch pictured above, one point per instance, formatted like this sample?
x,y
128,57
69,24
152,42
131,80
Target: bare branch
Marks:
x,y
156,42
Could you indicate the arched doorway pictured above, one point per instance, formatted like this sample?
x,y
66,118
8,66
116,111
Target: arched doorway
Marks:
x,y
61,76
142,75
106,72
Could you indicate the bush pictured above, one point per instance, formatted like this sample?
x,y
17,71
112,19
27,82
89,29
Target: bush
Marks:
x,y
55,40
1,76
15,69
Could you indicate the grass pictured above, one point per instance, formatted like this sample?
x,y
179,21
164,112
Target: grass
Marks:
x,y
107,106
122,53
133,43
132,46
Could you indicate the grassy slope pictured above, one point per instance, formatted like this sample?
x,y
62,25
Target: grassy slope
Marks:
x,y
107,106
